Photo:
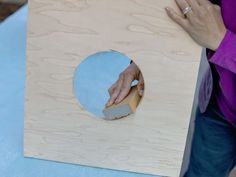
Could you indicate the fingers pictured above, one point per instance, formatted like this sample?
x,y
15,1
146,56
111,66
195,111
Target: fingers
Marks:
x,y
217,7
203,2
124,89
182,4
140,85
193,4
120,89
112,88
183,22
122,86
114,91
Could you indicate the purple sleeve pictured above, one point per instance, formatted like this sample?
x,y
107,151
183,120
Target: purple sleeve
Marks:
x,y
225,55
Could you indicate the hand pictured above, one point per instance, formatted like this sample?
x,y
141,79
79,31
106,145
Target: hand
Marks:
x,y
204,23
120,89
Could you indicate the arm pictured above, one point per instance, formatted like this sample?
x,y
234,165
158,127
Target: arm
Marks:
x,y
225,55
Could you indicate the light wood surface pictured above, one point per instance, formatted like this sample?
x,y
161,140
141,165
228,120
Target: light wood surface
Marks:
x,y
60,35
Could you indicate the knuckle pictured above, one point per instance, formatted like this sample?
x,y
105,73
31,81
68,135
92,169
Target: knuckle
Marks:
x,y
202,13
217,7
209,7
110,90
121,75
171,14
116,90
124,87
128,72
113,86
177,20
113,96
174,17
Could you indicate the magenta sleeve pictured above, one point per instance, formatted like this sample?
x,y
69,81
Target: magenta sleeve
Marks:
x,y
225,55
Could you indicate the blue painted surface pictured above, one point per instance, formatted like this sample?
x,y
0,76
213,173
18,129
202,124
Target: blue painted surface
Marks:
x,y
12,80
95,75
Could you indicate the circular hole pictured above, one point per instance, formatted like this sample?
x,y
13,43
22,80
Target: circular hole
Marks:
x,y
97,73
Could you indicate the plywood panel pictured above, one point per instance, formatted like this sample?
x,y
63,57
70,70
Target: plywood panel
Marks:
x,y
60,35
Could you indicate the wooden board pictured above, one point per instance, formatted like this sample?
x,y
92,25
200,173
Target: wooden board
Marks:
x,y
60,35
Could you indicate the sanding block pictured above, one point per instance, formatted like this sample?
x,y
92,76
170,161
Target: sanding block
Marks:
x,y
125,107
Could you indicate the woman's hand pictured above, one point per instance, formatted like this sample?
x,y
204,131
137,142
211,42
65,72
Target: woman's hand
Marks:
x,y
204,23
120,89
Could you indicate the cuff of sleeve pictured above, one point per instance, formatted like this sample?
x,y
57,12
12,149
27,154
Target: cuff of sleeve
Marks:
x,y
225,55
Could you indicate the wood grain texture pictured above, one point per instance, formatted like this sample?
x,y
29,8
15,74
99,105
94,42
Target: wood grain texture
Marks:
x,y
60,35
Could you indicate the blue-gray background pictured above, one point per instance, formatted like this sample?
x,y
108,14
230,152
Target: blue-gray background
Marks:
x,y
12,80
95,75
